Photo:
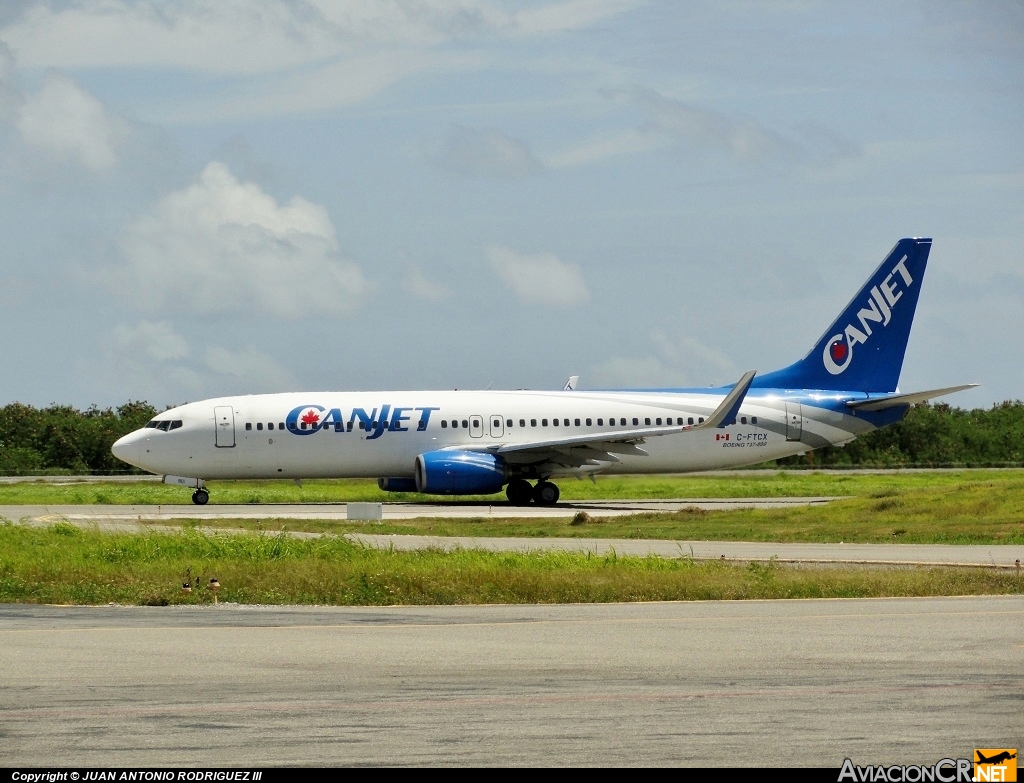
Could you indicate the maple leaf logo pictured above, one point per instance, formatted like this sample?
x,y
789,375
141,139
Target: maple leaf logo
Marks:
x,y
310,417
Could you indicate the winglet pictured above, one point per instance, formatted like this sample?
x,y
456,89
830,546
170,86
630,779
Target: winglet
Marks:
x,y
725,414
570,385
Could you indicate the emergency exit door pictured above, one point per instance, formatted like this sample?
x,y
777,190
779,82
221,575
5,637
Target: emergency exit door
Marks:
x,y
497,426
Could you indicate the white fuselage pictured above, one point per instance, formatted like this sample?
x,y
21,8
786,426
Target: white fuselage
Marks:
x,y
380,434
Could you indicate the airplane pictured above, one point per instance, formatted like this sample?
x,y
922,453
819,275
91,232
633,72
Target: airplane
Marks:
x,y
1004,756
478,442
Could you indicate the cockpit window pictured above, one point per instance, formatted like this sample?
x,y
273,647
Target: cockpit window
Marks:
x,y
164,425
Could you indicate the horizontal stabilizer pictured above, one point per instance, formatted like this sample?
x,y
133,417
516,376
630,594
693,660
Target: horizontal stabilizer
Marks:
x,y
896,400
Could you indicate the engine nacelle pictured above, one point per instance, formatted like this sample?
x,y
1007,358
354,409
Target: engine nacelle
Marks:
x,y
397,484
459,473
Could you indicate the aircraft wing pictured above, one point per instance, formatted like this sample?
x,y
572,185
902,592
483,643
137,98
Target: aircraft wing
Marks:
x,y
896,400
596,447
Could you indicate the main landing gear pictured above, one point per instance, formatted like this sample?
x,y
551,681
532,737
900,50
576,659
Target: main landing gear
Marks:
x,y
519,493
200,497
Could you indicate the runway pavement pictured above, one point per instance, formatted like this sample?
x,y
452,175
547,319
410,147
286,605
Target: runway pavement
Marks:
x,y
441,510
794,683
863,554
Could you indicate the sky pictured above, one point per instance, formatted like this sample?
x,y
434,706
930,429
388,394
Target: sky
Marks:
x,y
213,197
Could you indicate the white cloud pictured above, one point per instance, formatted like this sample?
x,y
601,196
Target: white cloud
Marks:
x,y
741,137
242,37
539,279
152,359
487,152
628,142
220,245
225,36
571,15
249,369
155,341
66,122
147,359
423,288
680,361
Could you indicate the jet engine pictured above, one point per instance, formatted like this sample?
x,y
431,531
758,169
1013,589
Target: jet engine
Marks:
x,y
397,484
459,473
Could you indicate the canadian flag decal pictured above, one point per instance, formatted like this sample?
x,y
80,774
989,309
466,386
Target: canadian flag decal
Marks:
x,y
719,436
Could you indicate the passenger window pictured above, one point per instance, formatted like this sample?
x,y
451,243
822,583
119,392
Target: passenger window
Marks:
x,y
259,425
555,422
600,422
349,427
647,422
636,421
576,422
543,422
248,425
700,420
658,422
743,419
522,422
465,424
753,419
690,420
533,422
622,422
565,422
444,424
508,422
270,425
301,424
589,423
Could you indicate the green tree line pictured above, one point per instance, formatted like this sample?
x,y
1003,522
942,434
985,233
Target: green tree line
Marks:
x,y
62,439
934,436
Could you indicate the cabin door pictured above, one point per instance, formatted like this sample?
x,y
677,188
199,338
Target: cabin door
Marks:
x,y
794,421
224,415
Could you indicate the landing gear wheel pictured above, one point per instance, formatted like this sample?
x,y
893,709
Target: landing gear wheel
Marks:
x,y
519,492
545,494
200,497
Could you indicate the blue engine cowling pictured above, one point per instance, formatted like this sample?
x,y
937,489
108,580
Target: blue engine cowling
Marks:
x,y
459,473
397,484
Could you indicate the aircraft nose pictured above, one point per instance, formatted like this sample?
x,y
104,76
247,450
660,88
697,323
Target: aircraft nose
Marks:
x,y
126,449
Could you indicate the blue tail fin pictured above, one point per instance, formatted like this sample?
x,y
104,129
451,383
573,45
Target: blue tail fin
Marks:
x,y
863,350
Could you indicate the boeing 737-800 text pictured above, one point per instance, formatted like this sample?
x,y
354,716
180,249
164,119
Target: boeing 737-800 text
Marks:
x,y
477,442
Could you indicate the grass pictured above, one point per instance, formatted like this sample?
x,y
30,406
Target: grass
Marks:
x,y
976,509
65,564
740,484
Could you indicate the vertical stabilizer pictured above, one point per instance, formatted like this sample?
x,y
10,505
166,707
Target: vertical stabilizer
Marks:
x,y
863,349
